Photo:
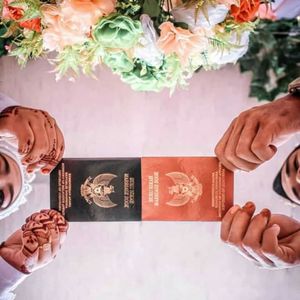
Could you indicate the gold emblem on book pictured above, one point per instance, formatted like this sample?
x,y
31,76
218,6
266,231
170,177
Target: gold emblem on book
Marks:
x,y
98,190
186,189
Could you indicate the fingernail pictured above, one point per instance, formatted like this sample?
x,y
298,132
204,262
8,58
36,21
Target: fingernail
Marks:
x,y
249,207
234,209
45,171
29,171
266,213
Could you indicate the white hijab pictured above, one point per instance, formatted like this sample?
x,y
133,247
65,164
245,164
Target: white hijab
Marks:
x,y
26,179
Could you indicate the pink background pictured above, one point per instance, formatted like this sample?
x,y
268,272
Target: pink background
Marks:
x,y
148,260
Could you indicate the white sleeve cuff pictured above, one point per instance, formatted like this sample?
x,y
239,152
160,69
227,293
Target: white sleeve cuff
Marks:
x,y
10,278
5,102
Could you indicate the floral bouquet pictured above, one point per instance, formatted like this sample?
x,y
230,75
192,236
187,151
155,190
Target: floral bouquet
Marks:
x,y
150,44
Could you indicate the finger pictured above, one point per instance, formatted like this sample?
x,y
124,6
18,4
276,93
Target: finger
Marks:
x,y
41,143
51,131
220,148
270,241
253,238
26,139
41,232
288,226
230,151
227,221
45,254
30,244
54,158
60,221
240,224
257,226
243,148
22,132
35,167
261,145
55,244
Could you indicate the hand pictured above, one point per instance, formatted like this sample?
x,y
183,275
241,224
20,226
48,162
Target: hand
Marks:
x,y
252,137
269,241
37,243
40,141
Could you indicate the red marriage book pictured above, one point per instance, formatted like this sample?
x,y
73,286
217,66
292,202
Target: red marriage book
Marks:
x,y
185,189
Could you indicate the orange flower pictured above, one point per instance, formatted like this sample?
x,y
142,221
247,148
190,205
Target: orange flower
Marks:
x,y
16,13
181,41
246,11
33,24
10,12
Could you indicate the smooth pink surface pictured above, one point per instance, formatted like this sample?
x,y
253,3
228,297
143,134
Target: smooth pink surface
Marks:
x,y
149,260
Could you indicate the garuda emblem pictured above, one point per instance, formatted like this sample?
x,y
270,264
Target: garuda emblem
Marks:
x,y
98,190
185,189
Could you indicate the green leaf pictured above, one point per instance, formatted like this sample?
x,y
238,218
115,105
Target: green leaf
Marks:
x,y
152,8
274,50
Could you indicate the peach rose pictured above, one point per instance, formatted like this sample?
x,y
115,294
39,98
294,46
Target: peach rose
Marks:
x,y
246,11
60,32
88,11
181,41
71,22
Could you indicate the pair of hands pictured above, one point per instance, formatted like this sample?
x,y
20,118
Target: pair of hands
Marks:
x,y
268,240
37,136
37,243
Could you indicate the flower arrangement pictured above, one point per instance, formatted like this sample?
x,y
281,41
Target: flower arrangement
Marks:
x,y
150,44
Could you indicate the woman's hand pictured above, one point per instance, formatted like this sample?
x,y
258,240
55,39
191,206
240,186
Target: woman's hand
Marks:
x,y
37,243
40,141
269,240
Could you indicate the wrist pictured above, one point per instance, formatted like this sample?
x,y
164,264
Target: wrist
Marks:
x,y
292,104
7,258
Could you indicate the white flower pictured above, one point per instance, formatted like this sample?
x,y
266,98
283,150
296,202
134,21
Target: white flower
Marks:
x,y
218,57
146,49
216,14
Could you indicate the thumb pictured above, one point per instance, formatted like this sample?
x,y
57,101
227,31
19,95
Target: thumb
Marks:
x,y
270,246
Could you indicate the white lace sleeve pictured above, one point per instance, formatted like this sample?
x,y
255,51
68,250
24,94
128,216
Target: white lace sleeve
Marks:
x,y
5,101
10,278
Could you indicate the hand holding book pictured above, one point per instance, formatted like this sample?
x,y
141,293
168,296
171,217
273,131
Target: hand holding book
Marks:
x,y
270,241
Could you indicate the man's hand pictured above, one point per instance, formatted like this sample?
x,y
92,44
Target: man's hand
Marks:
x,y
252,137
270,241
39,139
37,243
